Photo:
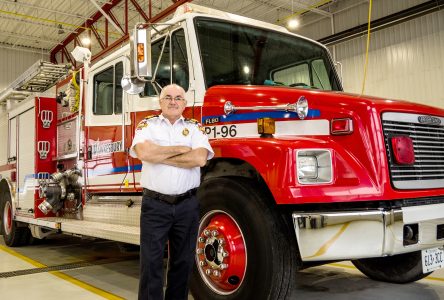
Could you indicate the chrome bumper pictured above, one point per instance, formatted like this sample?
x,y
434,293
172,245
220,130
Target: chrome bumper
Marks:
x,y
361,234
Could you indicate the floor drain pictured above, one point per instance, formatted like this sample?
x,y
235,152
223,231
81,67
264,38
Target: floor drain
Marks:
x,y
63,267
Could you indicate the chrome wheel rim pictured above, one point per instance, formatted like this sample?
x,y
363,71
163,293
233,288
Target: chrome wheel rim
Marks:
x,y
221,253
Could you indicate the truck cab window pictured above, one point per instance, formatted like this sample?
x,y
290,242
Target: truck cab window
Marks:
x,y
177,58
118,91
108,91
320,75
180,61
239,54
312,74
294,74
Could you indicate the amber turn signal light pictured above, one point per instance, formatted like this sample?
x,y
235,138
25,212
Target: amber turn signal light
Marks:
x,y
140,52
266,127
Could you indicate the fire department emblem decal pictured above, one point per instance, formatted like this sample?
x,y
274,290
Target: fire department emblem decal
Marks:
x,y
185,132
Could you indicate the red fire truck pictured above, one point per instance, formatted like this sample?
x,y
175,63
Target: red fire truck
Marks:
x,y
303,173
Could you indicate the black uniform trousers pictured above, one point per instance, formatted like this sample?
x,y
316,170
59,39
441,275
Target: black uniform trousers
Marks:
x,y
178,223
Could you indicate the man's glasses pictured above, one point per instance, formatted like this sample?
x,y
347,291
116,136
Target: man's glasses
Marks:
x,y
177,98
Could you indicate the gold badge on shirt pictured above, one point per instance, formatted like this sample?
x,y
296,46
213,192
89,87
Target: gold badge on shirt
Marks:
x,y
185,132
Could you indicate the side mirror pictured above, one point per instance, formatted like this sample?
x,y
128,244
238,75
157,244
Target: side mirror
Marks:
x,y
140,55
140,61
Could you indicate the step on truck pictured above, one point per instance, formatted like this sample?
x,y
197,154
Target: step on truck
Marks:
x,y
303,172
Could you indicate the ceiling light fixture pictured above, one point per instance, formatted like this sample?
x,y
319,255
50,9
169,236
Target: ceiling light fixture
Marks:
x,y
60,29
86,41
293,23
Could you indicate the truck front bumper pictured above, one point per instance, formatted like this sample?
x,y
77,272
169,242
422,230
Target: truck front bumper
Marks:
x,y
367,233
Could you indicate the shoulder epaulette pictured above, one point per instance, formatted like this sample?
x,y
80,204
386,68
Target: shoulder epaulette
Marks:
x,y
151,116
193,121
144,123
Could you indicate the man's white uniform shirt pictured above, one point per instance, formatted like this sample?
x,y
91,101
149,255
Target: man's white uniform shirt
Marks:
x,y
163,178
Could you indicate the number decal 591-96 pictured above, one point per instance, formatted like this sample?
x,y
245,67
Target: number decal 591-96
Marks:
x,y
223,131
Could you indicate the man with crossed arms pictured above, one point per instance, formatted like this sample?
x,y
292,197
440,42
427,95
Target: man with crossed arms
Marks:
x,y
172,150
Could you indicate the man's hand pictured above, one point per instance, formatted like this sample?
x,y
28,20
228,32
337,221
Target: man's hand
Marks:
x,y
150,152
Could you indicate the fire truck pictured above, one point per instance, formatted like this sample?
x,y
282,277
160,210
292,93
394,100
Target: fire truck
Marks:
x,y
303,173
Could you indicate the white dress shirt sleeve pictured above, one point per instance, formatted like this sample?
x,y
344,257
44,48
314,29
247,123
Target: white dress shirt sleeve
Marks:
x,y
200,140
142,134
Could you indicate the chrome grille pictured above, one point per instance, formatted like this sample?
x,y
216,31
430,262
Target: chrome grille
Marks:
x,y
428,143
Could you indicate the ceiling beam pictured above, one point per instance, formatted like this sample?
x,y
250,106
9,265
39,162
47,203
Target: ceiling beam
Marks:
x,y
311,9
107,7
385,22
140,10
104,13
28,38
159,16
111,15
308,9
98,38
25,49
68,56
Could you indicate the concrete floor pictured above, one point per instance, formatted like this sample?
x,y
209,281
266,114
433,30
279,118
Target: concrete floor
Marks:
x,y
73,268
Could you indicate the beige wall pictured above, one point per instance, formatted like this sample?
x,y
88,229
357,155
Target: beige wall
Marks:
x,y
13,62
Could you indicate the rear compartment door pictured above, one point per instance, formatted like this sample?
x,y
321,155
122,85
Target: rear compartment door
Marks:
x,y
25,134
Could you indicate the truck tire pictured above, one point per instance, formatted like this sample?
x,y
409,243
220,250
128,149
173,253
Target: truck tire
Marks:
x,y
245,249
13,234
401,268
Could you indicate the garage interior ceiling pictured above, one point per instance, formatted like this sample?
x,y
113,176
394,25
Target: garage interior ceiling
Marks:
x,y
42,25
56,26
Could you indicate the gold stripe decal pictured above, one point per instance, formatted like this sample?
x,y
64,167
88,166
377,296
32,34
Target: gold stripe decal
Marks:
x,y
63,276
330,242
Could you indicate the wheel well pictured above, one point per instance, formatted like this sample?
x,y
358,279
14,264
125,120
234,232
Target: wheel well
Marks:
x,y
233,167
5,187
230,167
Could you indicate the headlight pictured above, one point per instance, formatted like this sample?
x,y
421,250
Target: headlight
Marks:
x,y
314,166
307,167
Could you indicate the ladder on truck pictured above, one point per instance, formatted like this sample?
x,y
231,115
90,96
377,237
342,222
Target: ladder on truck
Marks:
x,y
40,77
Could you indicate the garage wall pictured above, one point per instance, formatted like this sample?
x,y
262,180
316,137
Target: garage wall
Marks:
x,y
406,61
14,62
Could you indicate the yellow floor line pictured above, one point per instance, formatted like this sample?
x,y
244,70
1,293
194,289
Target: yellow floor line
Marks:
x,y
434,278
22,257
63,276
353,267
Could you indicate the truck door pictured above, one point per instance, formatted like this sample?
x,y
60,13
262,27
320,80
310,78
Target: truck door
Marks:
x,y
171,63
108,132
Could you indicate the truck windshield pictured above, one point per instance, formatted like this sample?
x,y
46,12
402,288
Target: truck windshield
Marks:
x,y
238,54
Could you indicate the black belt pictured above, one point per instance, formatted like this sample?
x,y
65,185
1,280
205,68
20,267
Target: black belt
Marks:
x,y
171,199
